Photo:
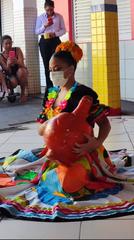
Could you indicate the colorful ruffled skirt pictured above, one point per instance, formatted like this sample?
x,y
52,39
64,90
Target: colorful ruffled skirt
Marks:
x,y
31,187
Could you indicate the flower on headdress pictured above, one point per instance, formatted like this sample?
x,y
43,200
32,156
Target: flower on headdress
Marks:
x,y
71,47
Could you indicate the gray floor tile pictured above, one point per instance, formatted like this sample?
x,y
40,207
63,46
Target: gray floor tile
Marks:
x,y
26,139
17,113
27,132
4,136
13,147
108,229
130,129
118,145
15,229
118,138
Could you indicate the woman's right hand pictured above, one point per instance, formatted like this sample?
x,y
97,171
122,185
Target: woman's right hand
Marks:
x,y
11,61
48,24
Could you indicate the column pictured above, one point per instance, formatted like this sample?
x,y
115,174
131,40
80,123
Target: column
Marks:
x,y
105,52
132,17
7,19
25,14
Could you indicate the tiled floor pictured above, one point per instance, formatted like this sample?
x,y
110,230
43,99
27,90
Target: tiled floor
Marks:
x,y
121,136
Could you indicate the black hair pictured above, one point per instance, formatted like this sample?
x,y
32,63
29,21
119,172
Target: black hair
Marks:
x,y
66,57
49,3
5,37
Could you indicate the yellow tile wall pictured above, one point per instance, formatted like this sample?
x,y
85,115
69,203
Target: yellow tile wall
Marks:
x,y
105,57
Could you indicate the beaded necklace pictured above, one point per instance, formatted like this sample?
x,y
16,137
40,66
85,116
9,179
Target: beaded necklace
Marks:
x,y
48,110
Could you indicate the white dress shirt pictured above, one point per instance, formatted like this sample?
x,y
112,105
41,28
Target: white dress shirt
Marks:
x,y
58,26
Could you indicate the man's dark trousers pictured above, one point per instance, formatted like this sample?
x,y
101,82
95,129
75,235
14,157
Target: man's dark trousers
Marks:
x,y
47,48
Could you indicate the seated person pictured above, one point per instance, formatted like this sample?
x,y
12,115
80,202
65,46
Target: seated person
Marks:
x,y
36,185
63,65
13,67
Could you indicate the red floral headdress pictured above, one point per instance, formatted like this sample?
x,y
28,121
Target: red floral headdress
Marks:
x,y
71,47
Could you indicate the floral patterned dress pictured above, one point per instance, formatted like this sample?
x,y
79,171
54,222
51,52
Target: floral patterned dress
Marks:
x,y
33,188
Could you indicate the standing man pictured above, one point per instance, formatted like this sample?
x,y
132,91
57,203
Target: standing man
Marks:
x,y
50,26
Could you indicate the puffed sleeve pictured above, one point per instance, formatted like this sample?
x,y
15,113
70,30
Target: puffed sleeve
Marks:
x,y
98,112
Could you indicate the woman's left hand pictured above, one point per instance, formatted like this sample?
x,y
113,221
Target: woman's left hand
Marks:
x,y
92,144
12,61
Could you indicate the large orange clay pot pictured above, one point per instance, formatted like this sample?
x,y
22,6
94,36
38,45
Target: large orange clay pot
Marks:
x,y
62,132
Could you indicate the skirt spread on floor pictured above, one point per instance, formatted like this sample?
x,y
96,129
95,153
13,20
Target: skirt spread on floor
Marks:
x,y
31,187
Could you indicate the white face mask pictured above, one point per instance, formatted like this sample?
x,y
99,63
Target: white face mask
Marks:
x,y
58,78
